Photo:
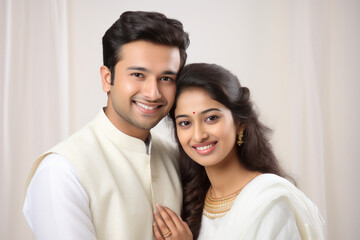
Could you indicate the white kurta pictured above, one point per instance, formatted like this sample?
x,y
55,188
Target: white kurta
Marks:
x,y
121,180
269,207
56,205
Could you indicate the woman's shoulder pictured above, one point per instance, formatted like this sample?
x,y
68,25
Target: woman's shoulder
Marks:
x,y
272,178
270,182
267,188
271,195
272,191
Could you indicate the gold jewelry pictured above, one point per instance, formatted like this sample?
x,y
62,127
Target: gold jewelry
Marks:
x,y
240,136
166,233
218,207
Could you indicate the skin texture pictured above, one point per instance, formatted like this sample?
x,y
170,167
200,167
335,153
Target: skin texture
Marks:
x,y
145,75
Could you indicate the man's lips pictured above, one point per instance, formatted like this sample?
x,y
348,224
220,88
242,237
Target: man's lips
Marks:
x,y
148,108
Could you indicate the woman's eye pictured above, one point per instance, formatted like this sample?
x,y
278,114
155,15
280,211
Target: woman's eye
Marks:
x,y
184,123
211,118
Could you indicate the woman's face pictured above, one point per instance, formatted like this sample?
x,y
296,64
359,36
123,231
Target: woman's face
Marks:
x,y
205,128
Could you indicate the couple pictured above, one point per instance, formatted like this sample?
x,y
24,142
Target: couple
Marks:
x,y
113,179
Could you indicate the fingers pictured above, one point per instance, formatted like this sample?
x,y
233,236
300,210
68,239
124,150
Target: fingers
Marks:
x,y
180,224
169,223
174,217
162,226
157,233
167,218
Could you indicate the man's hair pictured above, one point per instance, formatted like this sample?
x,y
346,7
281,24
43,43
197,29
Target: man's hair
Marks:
x,y
148,26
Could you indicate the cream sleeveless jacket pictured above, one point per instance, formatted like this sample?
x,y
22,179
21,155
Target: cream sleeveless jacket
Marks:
x,y
122,181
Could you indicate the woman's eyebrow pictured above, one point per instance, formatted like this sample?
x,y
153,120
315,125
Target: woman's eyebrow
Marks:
x,y
201,113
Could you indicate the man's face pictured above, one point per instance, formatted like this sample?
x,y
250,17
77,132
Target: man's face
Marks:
x,y
144,86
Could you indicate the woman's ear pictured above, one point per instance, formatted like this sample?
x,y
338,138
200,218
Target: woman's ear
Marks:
x,y
240,127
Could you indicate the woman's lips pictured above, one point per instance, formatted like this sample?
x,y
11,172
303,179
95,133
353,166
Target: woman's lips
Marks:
x,y
205,148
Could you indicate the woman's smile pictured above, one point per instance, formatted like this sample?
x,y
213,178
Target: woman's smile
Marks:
x,y
205,148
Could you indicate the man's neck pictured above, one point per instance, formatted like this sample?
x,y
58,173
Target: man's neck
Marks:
x,y
125,127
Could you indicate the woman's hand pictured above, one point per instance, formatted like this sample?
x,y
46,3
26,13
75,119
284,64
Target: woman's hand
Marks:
x,y
169,226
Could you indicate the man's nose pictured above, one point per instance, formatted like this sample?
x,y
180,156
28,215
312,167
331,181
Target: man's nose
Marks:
x,y
150,90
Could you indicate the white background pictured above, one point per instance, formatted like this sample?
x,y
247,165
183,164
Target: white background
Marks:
x,y
299,58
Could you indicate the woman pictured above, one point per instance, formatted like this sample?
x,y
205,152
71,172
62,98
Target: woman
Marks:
x,y
233,185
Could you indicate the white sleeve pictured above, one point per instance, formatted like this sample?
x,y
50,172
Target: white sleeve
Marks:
x,y
56,205
278,223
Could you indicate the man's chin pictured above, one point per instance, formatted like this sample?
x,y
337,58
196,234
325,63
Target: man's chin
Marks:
x,y
147,125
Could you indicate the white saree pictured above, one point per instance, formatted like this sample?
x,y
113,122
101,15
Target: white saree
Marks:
x,y
269,207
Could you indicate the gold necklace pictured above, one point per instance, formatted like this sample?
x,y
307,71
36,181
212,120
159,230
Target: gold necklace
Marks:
x,y
218,207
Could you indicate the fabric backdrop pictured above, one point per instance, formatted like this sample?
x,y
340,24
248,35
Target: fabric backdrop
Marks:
x,y
300,60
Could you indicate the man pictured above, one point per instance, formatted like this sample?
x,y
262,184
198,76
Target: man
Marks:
x,y
104,181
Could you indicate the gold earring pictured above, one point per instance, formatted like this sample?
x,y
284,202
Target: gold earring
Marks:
x,y
240,136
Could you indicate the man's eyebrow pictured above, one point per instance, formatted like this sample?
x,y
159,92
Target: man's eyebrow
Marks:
x,y
142,69
170,73
201,113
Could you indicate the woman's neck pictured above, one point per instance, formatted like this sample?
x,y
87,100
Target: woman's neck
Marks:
x,y
228,178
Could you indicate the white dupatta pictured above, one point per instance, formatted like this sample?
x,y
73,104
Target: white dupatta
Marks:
x,y
257,198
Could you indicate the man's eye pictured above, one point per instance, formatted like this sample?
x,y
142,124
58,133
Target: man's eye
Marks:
x,y
167,79
137,75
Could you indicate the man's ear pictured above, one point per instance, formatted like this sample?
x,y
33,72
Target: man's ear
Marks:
x,y
105,78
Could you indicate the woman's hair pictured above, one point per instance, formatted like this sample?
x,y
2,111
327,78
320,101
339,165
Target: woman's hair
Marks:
x,y
255,153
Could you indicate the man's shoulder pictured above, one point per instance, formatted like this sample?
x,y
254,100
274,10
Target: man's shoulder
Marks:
x,y
82,138
85,130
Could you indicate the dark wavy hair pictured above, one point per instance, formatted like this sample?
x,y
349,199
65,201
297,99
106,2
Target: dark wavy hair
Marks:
x,y
148,26
255,153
